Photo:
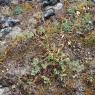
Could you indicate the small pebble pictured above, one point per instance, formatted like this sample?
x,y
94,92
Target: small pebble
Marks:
x,y
2,71
78,13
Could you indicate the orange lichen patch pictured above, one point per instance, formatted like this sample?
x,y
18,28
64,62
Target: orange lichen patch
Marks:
x,y
89,92
27,7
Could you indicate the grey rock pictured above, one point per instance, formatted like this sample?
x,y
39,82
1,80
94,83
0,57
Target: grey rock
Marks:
x,y
5,2
3,91
55,9
94,1
4,32
16,31
49,2
8,22
49,13
58,6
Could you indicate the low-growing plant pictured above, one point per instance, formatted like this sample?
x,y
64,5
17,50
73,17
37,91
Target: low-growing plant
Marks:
x,y
35,67
18,10
76,66
71,11
41,30
87,22
67,26
87,17
24,36
46,80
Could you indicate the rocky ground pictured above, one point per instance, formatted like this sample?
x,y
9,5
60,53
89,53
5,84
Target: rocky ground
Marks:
x,y
48,57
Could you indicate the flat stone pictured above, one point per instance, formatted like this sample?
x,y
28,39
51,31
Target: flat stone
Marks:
x,y
16,31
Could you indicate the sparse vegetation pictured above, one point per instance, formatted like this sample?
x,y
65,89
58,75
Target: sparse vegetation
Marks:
x,y
59,60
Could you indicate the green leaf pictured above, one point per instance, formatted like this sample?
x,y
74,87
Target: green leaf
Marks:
x,y
35,70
